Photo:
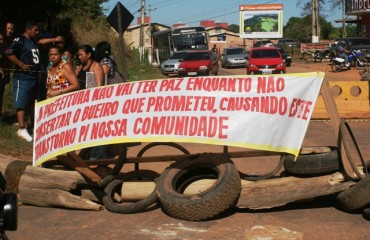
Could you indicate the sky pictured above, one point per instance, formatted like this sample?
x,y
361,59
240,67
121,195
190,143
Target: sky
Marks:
x,y
191,12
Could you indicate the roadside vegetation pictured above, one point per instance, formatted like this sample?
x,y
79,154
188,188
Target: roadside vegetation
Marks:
x,y
81,22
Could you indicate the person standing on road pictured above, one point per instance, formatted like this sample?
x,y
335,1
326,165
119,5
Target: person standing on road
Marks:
x,y
6,39
3,76
85,55
103,55
215,50
88,64
61,77
24,54
343,52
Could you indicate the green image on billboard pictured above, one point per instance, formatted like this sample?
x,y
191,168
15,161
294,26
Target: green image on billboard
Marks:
x,y
261,23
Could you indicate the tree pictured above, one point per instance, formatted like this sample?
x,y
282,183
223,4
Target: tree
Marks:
x,y
298,28
20,11
307,5
234,28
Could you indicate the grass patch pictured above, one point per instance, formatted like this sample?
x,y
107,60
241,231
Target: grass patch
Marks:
x,y
11,144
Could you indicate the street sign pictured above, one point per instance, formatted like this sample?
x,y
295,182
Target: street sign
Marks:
x,y
126,17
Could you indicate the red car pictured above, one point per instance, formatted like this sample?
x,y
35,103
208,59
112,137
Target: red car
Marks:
x,y
198,63
265,60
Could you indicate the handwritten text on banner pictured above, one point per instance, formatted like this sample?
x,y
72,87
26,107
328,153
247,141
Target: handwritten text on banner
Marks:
x,y
266,112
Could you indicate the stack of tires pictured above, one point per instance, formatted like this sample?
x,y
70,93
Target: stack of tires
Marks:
x,y
172,184
223,193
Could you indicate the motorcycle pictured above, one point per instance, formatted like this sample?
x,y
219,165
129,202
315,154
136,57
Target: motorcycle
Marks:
x,y
355,58
320,55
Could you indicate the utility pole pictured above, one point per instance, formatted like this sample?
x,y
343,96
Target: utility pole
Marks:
x,y
344,19
315,22
150,49
142,44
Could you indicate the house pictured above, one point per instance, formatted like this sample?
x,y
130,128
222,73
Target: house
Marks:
x,y
360,9
132,34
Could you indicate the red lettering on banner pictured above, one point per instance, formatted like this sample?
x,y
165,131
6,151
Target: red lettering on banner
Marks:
x,y
265,104
268,85
56,141
182,125
146,86
84,130
134,105
180,103
170,84
69,100
100,110
300,108
53,124
124,89
102,93
109,129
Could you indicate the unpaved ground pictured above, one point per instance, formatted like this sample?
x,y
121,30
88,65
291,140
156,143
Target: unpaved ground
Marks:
x,y
320,218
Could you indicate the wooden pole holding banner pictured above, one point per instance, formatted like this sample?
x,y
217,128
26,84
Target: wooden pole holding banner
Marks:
x,y
335,120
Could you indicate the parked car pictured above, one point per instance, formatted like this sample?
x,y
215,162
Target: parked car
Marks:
x,y
265,60
198,63
263,43
359,43
233,57
286,57
171,65
284,42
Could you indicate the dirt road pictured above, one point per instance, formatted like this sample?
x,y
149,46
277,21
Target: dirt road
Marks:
x,y
319,218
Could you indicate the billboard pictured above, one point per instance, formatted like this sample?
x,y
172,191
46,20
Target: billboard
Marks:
x,y
261,21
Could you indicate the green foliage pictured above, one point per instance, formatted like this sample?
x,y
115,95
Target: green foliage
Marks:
x,y
298,28
234,28
306,6
45,11
301,29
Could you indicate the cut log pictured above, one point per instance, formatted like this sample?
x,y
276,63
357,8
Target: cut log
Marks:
x,y
262,194
271,193
43,178
56,198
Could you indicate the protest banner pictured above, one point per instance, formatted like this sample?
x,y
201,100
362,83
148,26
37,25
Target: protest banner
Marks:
x,y
265,112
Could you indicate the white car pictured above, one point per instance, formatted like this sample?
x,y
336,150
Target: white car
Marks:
x,y
171,65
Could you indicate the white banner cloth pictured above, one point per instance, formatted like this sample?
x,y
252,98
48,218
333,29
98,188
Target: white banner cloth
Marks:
x,y
265,112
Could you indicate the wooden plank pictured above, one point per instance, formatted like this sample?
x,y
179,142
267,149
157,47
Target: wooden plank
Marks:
x,y
335,120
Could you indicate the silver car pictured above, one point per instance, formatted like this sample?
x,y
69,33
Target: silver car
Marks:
x,y
233,57
171,65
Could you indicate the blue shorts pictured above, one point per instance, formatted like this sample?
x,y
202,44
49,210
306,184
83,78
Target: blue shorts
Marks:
x,y
24,92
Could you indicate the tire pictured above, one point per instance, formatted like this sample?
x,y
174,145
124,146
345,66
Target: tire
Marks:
x,y
204,205
356,197
361,63
318,57
366,213
154,144
313,163
336,67
139,206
